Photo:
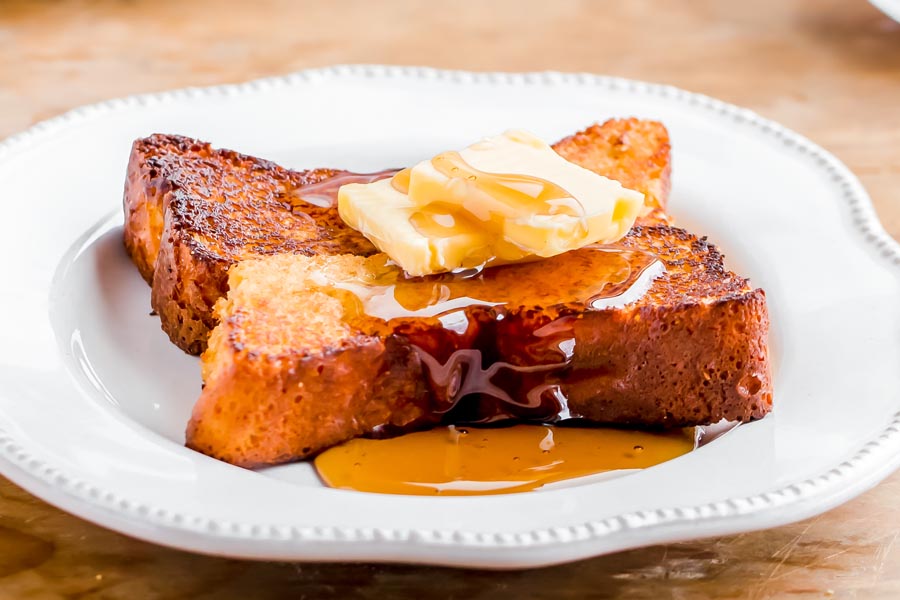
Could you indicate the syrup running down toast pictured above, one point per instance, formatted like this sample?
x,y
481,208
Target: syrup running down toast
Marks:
x,y
317,339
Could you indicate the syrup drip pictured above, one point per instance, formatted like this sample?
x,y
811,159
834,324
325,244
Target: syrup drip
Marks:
x,y
324,193
497,343
455,461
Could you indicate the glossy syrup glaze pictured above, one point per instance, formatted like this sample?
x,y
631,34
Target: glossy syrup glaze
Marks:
x,y
465,461
497,343
324,193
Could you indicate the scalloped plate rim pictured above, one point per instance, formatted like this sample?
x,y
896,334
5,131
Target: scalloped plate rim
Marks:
x,y
530,548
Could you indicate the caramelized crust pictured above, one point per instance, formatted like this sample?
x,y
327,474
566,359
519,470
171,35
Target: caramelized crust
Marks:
x,y
693,350
192,211
289,372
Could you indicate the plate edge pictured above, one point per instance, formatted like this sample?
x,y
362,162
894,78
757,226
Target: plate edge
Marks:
x,y
863,216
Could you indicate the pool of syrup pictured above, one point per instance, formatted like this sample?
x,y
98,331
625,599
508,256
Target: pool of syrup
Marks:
x,y
457,461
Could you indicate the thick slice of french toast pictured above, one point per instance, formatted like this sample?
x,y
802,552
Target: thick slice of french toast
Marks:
x,y
192,211
295,366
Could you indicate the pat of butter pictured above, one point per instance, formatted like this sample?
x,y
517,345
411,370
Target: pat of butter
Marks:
x,y
504,199
387,218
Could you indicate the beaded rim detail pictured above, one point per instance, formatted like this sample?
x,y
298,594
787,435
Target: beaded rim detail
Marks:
x,y
883,448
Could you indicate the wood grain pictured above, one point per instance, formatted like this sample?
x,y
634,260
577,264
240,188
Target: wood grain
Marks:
x,y
829,69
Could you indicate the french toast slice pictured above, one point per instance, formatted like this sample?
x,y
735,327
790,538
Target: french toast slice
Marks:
x,y
295,367
192,211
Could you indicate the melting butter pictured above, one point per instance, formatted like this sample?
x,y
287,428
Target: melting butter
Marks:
x,y
505,199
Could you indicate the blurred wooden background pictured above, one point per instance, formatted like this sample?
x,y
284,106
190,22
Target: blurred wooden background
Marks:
x,y
829,69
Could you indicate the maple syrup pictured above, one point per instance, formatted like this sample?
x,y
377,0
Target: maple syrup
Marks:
x,y
496,343
324,193
453,461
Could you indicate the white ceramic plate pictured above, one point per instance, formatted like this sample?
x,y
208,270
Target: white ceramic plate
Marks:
x,y
93,397
889,7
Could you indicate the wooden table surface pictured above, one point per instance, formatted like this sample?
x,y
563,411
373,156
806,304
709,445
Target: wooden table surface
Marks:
x,y
829,69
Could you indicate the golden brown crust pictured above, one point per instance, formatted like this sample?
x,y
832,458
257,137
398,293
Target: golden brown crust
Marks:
x,y
675,365
187,282
145,191
191,211
256,410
